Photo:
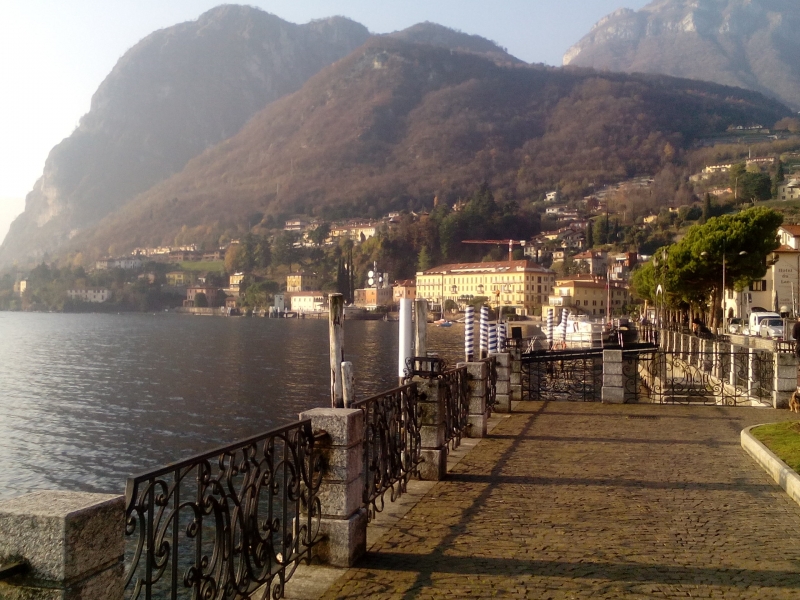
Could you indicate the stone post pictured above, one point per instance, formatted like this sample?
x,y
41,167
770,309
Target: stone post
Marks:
x,y
343,525
613,384
432,410
751,371
516,374
503,396
478,374
785,379
72,542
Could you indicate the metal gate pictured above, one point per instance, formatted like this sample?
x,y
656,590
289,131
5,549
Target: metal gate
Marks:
x,y
575,375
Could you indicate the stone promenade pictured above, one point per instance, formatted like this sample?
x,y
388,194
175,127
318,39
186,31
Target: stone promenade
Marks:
x,y
574,500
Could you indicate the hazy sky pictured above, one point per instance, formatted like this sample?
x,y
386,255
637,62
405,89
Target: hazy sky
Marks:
x,y
54,53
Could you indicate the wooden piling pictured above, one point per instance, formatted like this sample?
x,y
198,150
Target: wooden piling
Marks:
x,y
348,384
421,327
336,334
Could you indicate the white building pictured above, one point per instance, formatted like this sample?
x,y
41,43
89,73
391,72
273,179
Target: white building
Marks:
x,y
126,262
96,295
307,302
780,287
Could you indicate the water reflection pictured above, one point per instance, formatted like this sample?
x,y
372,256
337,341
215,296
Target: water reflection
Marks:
x,y
85,400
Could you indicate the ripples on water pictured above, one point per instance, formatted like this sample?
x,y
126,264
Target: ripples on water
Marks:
x,y
86,400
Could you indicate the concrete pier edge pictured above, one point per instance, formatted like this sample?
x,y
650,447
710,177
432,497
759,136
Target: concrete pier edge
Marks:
x,y
777,469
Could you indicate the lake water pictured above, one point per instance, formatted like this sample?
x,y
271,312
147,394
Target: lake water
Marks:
x,y
86,400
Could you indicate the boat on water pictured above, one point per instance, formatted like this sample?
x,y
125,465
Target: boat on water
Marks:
x,y
582,332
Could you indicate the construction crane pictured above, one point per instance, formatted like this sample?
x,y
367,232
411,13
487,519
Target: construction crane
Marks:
x,y
511,244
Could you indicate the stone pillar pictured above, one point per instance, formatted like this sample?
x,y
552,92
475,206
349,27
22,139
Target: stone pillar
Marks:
x,y
613,383
478,374
785,379
516,374
751,371
343,525
432,410
72,542
503,397
732,374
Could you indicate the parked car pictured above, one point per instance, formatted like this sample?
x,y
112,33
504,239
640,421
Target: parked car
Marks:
x,y
735,326
753,326
771,328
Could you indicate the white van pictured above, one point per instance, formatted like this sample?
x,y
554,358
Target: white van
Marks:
x,y
753,326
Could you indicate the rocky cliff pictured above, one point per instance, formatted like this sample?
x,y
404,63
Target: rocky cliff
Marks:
x,y
752,44
176,93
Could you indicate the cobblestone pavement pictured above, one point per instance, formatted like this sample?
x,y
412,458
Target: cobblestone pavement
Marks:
x,y
574,500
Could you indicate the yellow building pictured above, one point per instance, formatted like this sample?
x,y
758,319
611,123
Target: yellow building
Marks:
x,y
301,282
588,296
519,284
176,278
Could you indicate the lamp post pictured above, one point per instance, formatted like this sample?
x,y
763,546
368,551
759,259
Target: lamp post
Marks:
x,y
724,265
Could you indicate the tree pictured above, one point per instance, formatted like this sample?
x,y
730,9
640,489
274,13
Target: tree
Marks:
x,y
283,250
234,258
755,186
319,234
424,261
200,300
706,208
589,236
693,269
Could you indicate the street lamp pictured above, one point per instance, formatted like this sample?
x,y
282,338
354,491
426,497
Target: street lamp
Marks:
x,y
722,299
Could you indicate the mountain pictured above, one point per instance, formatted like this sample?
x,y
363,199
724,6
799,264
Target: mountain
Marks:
x,y
176,93
752,44
396,123
444,37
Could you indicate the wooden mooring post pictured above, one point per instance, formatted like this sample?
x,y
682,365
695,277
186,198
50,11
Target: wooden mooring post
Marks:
x,y
336,334
421,327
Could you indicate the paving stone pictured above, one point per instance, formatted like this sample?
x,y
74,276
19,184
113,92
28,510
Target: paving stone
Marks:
x,y
585,500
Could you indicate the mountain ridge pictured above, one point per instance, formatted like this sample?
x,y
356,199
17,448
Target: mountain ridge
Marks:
x,y
395,124
178,91
746,43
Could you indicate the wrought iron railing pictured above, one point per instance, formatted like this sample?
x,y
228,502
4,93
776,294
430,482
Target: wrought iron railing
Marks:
x,y
391,444
575,375
456,390
728,375
230,523
491,383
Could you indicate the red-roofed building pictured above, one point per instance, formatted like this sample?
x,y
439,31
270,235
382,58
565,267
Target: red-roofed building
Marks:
x,y
519,285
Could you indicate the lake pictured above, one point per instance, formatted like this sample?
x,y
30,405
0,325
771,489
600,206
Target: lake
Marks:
x,y
86,400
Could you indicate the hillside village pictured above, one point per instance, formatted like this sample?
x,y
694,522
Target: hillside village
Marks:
x,y
581,257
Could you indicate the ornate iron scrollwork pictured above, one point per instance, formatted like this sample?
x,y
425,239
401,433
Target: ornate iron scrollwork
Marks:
x,y
392,444
231,523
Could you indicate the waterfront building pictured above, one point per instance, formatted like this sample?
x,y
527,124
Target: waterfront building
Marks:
x,y
372,298
308,302
519,285
96,295
209,291
404,290
588,295
235,283
780,287
20,287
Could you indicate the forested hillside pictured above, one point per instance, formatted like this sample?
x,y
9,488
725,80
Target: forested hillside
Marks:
x,y
396,124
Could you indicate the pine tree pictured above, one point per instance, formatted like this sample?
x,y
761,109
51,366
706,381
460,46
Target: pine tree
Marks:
x,y
706,209
590,235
